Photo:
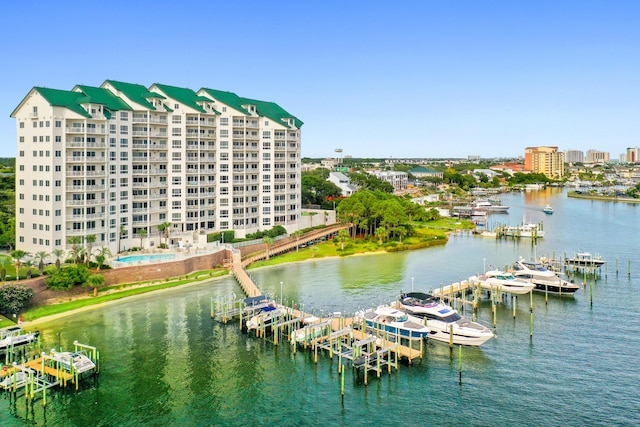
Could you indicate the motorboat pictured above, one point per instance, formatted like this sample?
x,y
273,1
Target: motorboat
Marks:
x,y
312,327
544,279
585,259
14,336
445,323
503,281
548,210
76,361
531,229
265,317
388,319
487,206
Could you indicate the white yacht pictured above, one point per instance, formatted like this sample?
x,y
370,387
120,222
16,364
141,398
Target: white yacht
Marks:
x,y
444,323
531,229
487,206
503,281
544,279
389,319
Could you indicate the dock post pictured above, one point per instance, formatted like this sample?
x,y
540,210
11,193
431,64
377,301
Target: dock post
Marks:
x,y
531,313
342,382
629,275
460,364
450,335
493,307
514,302
591,293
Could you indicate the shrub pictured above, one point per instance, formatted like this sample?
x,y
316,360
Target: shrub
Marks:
x,y
14,297
67,277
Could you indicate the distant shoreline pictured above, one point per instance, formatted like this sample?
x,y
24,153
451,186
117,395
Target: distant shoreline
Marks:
x,y
585,196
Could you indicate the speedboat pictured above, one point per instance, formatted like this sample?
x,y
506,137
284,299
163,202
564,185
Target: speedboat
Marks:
x,y
14,336
388,319
503,281
74,361
266,317
444,322
486,205
548,209
544,279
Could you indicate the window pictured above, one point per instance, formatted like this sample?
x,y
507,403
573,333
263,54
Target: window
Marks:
x,y
58,123
176,156
124,129
22,139
58,138
176,143
224,121
176,132
124,143
21,125
266,122
124,116
177,119
58,153
266,134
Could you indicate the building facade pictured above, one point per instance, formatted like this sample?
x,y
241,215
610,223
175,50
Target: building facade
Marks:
x,y
399,180
574,156
546,160
632,155
596,156
120,160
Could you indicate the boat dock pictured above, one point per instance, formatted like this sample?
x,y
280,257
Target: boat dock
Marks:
x,y
50,370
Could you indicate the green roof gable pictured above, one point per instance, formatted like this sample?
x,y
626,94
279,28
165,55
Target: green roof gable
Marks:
x,y
183,95
63,98
98,95
135,92
229,98
273,111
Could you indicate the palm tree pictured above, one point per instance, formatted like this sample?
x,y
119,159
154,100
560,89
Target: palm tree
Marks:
x,y
74,241
95,281
164,231
29,264
343,235
121,233
3,268
40,257
101,255
268,241
18,255
58,253
90,239
381,233
142,233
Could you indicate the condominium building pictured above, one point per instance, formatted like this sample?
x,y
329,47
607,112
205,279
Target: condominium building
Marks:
x,y
546,160
632,155
574,156
596,156
119,160
399,180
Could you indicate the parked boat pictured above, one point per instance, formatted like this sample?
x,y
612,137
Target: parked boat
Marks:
x,y
503,281
265,317
14,336
585,259
531,230
313,327
544,279
445,323
388,319
489,207
74,361
548,210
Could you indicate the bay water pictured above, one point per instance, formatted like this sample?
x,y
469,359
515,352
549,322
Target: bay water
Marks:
x,y
165,362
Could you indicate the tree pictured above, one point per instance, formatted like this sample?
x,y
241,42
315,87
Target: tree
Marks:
x,y
75,251
343,236
381,233
13,298
101,255
268,241
297,234
314,251
121,232
94,281
39,258
3,267
142,233
90,239
67,277
18,255
29,264
164,231
58,253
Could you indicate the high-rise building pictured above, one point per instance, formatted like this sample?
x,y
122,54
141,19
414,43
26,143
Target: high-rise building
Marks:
x,y
595,156
573,156
119,160
546,160
633,155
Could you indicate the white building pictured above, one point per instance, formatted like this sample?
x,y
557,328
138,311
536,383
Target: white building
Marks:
x,y
573,156
110,161
595,156
343,183
399,180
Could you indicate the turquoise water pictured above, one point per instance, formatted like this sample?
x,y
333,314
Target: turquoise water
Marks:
x,y
165,362
146,258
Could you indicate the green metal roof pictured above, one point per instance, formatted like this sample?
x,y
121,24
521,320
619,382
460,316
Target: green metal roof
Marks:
x,y
63,98
183,95
229,98
135,92
273,111
105,97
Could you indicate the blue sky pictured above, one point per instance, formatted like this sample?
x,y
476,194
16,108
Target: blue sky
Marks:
x,y
377,79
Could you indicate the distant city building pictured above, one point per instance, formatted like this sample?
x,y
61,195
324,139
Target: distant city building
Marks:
x,y
545,160
595,156
633,155
399,180
509,167
343,182
488,172
329,163
473,158
573,156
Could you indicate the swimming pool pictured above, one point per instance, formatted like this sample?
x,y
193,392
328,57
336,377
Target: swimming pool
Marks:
x,y
146,258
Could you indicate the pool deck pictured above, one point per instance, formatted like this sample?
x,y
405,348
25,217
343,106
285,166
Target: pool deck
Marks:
x,y
162,255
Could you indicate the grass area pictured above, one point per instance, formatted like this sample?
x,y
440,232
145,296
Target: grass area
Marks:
x,y
435,232
116,292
